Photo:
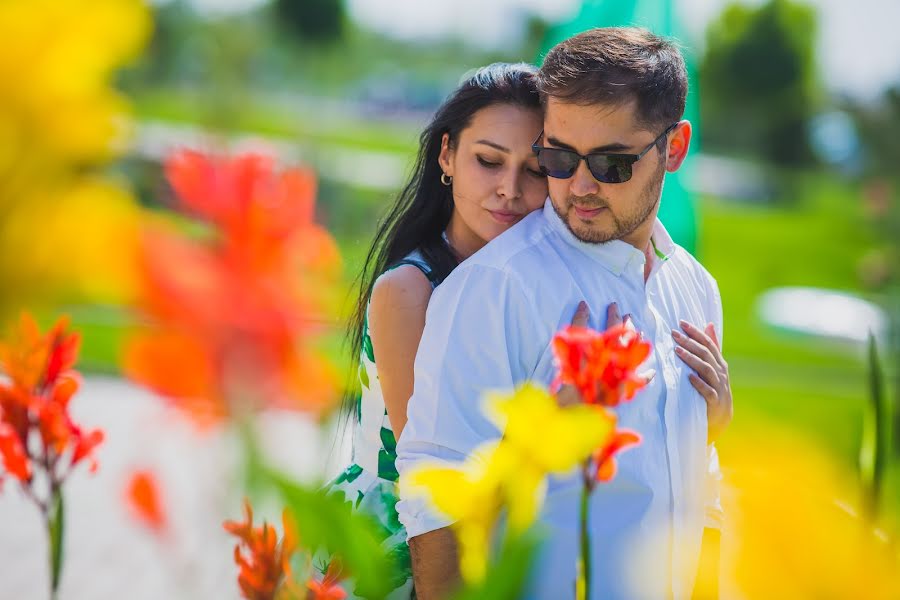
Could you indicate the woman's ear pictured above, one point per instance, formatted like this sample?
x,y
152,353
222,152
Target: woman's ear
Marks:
x,y
678,146
446,155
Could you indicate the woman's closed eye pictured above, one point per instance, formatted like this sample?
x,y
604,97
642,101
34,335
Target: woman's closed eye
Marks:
x,y
487,163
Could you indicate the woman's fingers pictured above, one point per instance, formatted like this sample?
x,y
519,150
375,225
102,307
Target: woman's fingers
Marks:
x,y
711,332
612,315
695,335
707,391
647,375
701,366
568,396
582,313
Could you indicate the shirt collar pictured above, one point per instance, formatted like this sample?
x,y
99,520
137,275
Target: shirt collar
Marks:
x,y
615,255
663,245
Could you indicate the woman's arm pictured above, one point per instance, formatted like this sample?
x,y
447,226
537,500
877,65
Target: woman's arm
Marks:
x,y
396,321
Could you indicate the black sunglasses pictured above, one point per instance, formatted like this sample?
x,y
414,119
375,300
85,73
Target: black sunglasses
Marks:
x,y
606,168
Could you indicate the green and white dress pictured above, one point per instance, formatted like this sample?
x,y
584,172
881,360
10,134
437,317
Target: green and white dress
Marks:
x,y
370,482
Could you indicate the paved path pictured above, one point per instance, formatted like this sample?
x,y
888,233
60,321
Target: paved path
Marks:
x,y
109,555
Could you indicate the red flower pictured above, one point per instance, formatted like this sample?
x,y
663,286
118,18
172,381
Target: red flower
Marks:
x,y
328,588
604,458
36,398
230,312
602,366
144,500
264,561
15,460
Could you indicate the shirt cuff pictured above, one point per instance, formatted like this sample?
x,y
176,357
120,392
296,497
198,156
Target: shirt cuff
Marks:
x,y
417,518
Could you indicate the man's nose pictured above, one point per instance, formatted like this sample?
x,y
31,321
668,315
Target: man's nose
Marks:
x,y
582,182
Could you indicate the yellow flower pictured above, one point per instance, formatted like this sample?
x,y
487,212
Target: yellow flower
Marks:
x,y
539,438
470,495
64,230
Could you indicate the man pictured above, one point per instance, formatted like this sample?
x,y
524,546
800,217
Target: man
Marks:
x,y
613,101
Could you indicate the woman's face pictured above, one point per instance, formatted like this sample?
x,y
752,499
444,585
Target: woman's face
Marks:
x,y
496,180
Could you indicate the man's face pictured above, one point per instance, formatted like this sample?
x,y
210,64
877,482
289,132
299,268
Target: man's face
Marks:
x,y
599,212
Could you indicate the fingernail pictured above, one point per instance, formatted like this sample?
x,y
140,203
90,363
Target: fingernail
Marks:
x,y
679,350
582,305
676,334
684,324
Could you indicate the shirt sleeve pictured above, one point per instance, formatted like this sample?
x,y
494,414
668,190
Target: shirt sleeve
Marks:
x,y
714,514
471,344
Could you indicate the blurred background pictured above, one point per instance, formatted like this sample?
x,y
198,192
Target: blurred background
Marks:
x,y
789,197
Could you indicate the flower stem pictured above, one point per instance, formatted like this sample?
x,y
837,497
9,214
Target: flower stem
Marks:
x,y
55,520
585,559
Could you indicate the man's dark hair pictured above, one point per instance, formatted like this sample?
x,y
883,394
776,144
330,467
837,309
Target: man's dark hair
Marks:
x,y
615,65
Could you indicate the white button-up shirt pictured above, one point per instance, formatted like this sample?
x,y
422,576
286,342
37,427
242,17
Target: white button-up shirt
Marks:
x,y
489,326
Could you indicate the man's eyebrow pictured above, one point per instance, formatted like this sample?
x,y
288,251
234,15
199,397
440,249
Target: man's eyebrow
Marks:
x,y
493,145
615,147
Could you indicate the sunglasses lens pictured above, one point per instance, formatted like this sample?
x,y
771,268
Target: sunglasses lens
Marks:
x,y
557,163
609,169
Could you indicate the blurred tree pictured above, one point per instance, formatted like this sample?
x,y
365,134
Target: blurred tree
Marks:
x,y
312,20
758,81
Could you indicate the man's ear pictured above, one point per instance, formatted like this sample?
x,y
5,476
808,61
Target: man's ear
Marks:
x,y
679,142
446,154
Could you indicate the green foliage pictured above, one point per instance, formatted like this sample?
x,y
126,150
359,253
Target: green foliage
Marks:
x,y
758,81
326,521
873,452
313,20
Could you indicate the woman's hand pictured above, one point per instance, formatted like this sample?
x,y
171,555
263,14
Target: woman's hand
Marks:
x,y
700,350
568,394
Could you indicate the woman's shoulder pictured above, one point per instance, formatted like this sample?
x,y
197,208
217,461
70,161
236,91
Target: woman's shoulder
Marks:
x,y
404,287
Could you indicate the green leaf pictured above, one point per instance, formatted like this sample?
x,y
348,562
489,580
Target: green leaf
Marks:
x,y
55,531
326,521
874,445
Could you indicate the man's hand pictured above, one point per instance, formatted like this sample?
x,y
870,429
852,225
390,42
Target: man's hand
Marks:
x,y
701,351
435,564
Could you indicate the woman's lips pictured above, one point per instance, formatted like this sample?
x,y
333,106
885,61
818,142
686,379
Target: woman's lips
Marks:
x,y
505,217
588,213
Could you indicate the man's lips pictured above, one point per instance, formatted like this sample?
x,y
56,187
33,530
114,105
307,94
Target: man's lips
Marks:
x,y
505,217
588,213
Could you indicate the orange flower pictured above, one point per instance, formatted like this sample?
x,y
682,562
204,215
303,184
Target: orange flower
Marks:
x,y
602,366
144,499
231,312
328,588
15,461
264,563
37,397
604,458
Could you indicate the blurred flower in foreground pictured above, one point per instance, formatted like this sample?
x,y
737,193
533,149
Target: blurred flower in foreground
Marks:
x,y
793,529
39,442
262,558
61,120
231,314
540,438
601,365
328,588
144,499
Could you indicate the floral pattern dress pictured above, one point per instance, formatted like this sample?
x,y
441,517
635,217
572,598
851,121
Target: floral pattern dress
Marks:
x,y
370,482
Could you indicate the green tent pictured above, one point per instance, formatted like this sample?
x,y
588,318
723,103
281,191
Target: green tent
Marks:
x,y
678,210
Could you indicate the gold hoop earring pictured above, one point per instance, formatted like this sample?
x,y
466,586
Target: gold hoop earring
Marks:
x,y
446,179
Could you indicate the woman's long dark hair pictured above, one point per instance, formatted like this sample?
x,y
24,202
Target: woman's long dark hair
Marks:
x,y
421,213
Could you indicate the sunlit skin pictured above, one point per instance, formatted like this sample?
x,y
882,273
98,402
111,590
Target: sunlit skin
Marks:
x,y
600,212
496,180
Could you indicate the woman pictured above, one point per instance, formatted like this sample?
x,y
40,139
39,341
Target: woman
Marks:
x,y
475,177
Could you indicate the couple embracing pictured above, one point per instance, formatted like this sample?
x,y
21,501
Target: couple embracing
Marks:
x,y
533,204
